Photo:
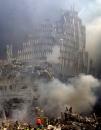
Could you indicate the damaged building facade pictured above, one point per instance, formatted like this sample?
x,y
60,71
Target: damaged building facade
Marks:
x,y
71,35
39,45
68,34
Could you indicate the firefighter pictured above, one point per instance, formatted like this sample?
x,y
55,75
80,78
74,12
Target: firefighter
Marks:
x,y
39,123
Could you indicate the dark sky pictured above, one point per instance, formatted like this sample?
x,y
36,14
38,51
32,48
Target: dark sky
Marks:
x,y
15,22
17,19
14,19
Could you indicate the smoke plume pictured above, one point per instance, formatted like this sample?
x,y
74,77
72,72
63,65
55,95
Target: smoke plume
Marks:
x,y
90,12
54,57
79,94
21,114
53,96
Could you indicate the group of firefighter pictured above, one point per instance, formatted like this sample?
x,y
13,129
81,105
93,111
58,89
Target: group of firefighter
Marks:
x,y
68,121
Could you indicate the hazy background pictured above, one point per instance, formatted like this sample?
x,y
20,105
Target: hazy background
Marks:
x,y
17,19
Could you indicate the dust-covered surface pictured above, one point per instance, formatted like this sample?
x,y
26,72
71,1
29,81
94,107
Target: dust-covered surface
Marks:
x,y
24,88
67,121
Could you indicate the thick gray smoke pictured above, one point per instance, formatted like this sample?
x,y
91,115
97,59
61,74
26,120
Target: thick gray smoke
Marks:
x,y
21,115
53,96
91,14
54,57
94,43
18,18
79,94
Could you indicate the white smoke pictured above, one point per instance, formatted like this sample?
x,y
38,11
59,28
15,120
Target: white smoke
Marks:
x,y
79,94
54,95
90,12
93,38
21,114
54,57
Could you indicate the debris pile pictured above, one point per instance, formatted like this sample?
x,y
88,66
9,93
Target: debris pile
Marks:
x,y
17,86
19,97
68,121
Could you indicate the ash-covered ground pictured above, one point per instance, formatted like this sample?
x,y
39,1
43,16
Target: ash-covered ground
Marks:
x,y
24,89
19,89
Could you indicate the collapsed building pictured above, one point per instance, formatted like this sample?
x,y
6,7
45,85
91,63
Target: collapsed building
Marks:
x,y
17,87
61,43
56,49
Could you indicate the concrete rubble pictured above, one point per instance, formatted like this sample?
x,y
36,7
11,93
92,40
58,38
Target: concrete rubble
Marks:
x,y
68,121
17,85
